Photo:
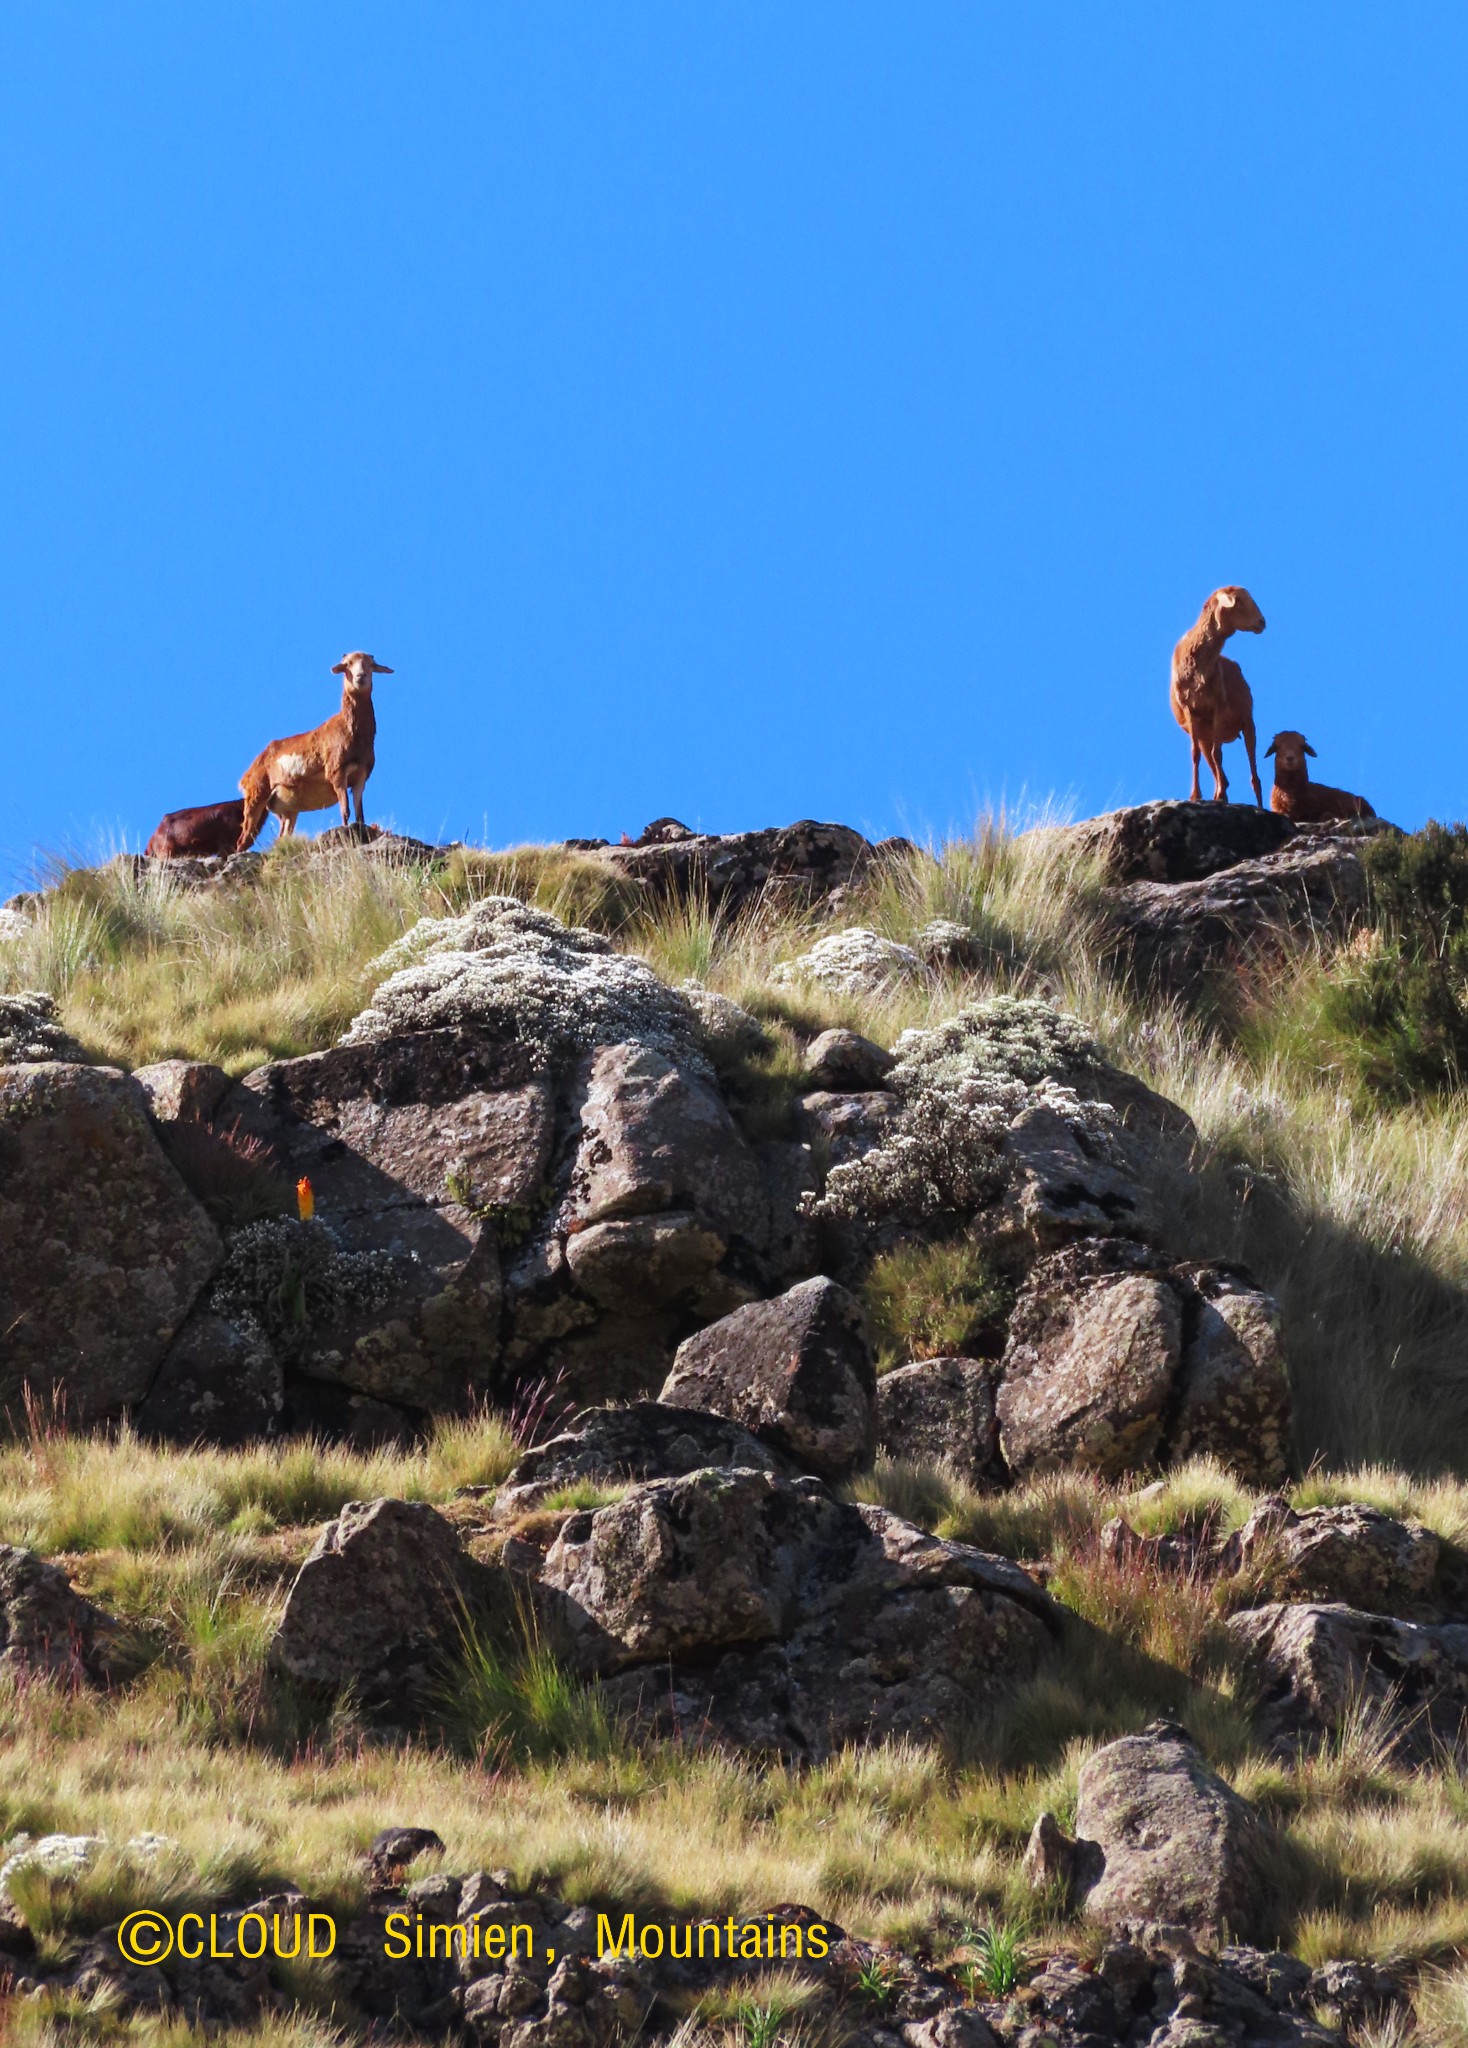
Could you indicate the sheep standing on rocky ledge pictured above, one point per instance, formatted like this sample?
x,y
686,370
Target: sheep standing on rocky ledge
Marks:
x,y
1295,796
1210,699
311,771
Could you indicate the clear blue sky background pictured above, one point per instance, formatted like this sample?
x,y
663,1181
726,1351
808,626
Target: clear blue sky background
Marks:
x,y
737,410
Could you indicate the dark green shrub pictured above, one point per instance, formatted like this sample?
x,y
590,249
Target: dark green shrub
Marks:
x,y
1402,998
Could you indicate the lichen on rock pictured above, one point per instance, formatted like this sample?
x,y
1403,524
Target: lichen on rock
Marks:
x,y
29,1030
853,962
506,971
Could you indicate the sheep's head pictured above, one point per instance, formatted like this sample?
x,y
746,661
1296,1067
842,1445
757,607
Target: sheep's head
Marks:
x,y
1235,610
1289,750
358,670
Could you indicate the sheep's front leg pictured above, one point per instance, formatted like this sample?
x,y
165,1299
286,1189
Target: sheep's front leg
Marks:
x,y
1220,780
1253,765
357,792
1196,793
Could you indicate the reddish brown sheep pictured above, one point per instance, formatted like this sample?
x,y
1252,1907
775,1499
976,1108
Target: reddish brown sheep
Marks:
x,y
311,771
1210,699
207,828
1295,796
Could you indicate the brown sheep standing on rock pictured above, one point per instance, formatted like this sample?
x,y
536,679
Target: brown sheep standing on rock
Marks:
x,y
1295,796
1210,699
311,771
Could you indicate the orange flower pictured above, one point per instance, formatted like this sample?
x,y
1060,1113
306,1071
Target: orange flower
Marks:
x,y
305,1199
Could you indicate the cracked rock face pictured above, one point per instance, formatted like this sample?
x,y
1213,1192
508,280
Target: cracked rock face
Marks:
x,y
1118,1362
103,1250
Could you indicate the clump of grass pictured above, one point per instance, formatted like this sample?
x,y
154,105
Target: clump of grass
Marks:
x,y
935,1301
60,1492
507,1696
995,1960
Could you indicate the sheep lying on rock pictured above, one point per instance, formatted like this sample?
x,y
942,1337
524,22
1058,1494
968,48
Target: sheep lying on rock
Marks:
x,y
1295,796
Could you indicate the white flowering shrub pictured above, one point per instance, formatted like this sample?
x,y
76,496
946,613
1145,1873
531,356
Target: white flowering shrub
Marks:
x,y
853,962
505,971
281,1277
961,1086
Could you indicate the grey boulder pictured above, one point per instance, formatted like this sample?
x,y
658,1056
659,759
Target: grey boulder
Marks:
x,y
645,1440
47,1628
796,1371
1168,1841
1118,1362
942,1409
1321,1665
377,1603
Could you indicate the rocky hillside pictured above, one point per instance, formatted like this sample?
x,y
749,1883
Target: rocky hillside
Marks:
x,y
778,1314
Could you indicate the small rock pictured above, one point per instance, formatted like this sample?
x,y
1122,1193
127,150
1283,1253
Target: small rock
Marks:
x,y
46,1626
182,1090
943,1409
1322,1664
1050,1857
645,1440
1352,1555
378,1599
845,1062
394,1849
636,1264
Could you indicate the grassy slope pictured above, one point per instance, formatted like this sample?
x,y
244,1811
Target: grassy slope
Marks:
x,y
1356,1221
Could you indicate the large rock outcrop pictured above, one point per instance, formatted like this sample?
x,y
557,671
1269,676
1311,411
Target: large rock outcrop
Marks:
x,y
740,1606
1175,933
103,1250
1177,842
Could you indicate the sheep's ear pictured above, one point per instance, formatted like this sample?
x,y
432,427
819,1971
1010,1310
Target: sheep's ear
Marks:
x,y
1225,600
1270,748
338,668
1310,750
380,668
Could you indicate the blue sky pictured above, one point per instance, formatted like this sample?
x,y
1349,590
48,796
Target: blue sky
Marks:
x,y
739,411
